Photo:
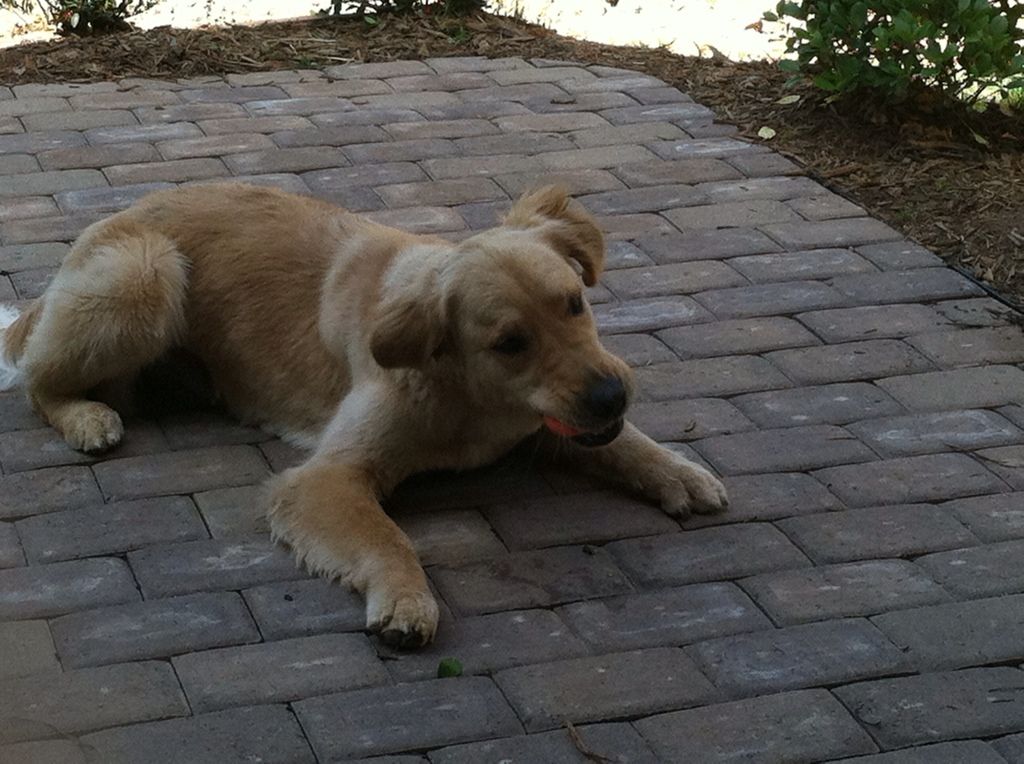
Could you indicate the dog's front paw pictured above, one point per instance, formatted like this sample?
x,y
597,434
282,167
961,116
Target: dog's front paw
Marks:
x,y
405,620
93,428
685,487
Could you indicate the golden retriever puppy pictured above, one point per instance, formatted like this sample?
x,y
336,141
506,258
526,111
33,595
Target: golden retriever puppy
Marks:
x,y
388,353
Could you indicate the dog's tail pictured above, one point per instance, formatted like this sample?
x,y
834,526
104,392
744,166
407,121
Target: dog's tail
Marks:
x,y
11,322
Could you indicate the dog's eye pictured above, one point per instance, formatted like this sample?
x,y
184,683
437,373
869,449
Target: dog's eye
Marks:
x,y
511,344
575,305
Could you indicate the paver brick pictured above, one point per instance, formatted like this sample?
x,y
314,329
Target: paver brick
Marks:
x,y
730,214
795,657
899,256
614,742
450,536
16,164
973,347
706,377
148,133
959,634
873,322
956,752
34,143
991,518
632,225
608,686
420,219
687,420
31,284
940,431
17,107
767,497
667,617
83,157
841,591
1007,462
20,257
237,512
792,266
263,733
1011,747
409,717
278,671
690,171
180,472
576,181
683,113
892,531
509,143
784,450
152,629
826,206
645,315
78,701
443,192
448,65
979,571
982,387
26,649
913,478
49,182
109,528
710,554
343,178
170,171
26,207
979,702
975,311
46,490
188,112
612,135
330,136
648,199
677,278
764,165
807,725
770,299
920,284
736,337
128,99
41,591
298,106
248,125
529,579
706,244
638,349
305,607
576,519
824,404
867,359
212,146
11,555
744,189
487,643
847,232
210,565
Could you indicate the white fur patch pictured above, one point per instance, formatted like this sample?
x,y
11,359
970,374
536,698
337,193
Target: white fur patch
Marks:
x,y
9,375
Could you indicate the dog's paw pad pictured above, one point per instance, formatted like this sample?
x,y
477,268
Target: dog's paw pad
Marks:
x,y
97,428
406,621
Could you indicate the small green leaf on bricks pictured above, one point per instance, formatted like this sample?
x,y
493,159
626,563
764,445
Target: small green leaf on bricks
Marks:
x,y
449,667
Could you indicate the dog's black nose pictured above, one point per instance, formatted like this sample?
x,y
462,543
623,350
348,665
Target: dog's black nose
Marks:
x,y
605,398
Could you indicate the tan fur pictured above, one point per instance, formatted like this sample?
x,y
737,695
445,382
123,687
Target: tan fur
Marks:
x,y
378,348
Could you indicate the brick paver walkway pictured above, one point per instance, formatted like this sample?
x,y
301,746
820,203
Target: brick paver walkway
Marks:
x,y
864,403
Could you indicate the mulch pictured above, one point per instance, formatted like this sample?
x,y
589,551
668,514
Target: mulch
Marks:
x,y
952,180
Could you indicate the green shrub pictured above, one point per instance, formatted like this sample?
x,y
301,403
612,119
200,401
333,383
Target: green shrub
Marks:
x,y
368,7
967,49
83,17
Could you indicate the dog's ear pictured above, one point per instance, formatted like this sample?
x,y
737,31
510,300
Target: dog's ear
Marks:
x,y
410,323
565,224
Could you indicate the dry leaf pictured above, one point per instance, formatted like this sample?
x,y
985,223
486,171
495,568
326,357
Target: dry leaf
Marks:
x,y
766,133
787,100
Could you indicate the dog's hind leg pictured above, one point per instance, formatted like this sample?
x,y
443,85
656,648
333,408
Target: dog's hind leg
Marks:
x,y
117,304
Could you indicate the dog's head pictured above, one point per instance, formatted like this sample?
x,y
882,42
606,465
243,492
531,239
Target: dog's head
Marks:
x,y
505,311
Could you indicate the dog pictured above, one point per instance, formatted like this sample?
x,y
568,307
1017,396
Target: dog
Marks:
x,y
388,353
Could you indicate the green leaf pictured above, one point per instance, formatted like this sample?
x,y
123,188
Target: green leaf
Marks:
x,y
449,667
789,65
